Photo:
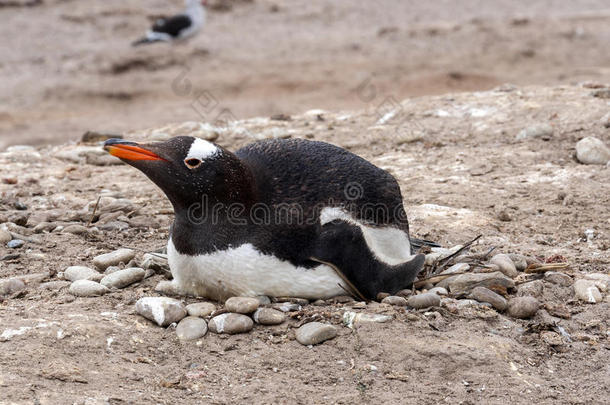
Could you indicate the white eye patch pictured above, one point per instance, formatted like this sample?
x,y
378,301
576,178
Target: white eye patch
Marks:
x,y
202,149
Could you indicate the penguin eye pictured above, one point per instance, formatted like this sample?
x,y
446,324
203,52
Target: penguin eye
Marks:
x,y
192,163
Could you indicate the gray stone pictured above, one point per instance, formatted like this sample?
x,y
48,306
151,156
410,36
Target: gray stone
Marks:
x,y
587,291
74,273
201,309
394,300
558,278
5,237
87,288
263,300
162,310
191,328
268,316
438,291
351,318
76,229
592,151
15,243
483,294
242,305
464,283
113,258
287,306
314,333
231,323
519,261
424,300
123,278
544,131
601,280
168,288
9,286
111,269
531,288
523,307
505,265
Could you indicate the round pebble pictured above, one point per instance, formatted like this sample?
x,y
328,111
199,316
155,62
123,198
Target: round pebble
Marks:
x,y
558,278
11,285
587,291
242,305
191,328
76,229
314,333
161,310
74,273
5,236
483,294
394,300
15,243
523,307
113,258
87,288
439,291
532,288
519,261
201,309
424,300
123,278
268,316
592,151
505,265
231,323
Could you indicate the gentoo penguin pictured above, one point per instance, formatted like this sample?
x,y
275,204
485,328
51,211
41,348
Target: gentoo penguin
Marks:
x,y
177,27
278,217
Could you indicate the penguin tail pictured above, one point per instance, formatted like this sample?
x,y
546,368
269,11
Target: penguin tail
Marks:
x,y
419,243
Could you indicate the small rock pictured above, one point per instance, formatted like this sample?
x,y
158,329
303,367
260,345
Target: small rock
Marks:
x,y
113,258
87,288
601,93
382,295
558,278
592,151
161,310
424,300
231,323
242,305
168,288
504,216
263,300
532,288
551,338
523,307
483,294
5,236
438,291
505,265
76,229
123,278
201,309
15,244
111,269
519,261
394,300
156,263
9,286
351,318
464,283
294,300
314,333
268,316
406,293
585,290
544,131
601,280
287,306
457,268
74,273
191,328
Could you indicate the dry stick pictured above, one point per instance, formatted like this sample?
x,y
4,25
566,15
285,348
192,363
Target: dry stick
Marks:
x,y
97,203
543,268
442,263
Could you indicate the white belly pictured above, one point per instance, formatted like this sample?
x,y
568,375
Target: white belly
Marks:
x,y
244,271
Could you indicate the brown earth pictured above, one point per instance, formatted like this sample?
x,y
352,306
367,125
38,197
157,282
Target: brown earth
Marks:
x,y
459,167
69,66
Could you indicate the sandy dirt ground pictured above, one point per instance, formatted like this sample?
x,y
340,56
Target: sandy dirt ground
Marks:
x,y
71,67
339,72
462,173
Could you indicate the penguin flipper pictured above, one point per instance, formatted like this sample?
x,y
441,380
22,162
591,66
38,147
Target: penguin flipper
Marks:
x,y
343,245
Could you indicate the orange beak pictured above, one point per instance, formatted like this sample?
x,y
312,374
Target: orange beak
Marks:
x,y
129,150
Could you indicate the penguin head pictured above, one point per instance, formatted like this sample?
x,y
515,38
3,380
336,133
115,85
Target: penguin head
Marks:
x,y
188,170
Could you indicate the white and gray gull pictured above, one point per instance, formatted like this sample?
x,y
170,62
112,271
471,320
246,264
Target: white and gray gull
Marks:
x,y
178,27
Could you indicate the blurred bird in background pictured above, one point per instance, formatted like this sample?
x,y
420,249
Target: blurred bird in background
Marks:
x,y
178,27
